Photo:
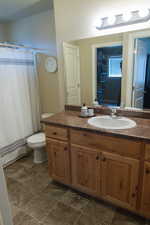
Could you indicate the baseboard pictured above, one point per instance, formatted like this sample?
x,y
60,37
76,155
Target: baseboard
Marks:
x,y
11,157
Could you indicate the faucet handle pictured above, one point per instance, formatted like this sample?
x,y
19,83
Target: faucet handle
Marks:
x,y
114,110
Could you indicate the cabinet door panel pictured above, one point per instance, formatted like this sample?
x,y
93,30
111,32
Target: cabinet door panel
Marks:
x,y
85,169
59,163
145,206
120,179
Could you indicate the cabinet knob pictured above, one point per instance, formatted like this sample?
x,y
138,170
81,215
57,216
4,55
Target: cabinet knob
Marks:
x,y
65,148
133,195
103,158
97,157
147,171
54,133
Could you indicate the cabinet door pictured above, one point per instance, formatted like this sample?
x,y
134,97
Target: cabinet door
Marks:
x,y
59,163
120,179
85,169
145,206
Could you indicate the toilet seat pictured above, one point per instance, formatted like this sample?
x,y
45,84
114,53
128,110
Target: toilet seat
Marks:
x,y
37,140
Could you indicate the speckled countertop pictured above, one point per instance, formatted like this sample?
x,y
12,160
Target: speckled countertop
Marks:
x,y
71,119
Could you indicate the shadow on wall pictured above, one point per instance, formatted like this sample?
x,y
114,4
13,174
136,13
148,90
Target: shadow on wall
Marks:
x,y
48,84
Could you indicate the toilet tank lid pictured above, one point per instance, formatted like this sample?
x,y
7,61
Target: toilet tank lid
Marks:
x,y
37,138
46,115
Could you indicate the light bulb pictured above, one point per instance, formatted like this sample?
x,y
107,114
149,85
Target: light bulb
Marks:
x,y
111,20
98,23
127,16
143,12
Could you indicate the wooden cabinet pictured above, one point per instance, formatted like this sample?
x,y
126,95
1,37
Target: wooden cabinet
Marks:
x,y
124,147
120,179
145,206
59,163
85,169
111,168
147,152
56,132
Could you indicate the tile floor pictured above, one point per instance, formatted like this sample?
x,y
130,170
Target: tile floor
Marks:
x,y
37,200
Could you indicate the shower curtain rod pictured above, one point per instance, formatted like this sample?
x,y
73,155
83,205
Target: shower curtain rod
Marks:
x,y
21,46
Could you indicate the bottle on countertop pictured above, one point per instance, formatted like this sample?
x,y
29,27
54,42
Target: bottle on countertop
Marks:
x,y
84,110
95,103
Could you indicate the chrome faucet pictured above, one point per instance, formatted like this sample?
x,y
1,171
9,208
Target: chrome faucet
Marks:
x,y
113,112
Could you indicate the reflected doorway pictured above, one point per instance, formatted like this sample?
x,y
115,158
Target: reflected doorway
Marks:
x,y
109,75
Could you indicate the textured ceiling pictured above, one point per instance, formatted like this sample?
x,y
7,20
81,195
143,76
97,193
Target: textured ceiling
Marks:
x,y
14,9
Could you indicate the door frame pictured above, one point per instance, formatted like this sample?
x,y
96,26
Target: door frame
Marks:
x,y
130,38
65,44
5,207
94,63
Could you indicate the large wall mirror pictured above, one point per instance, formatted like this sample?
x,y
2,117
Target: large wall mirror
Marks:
x,y
113,69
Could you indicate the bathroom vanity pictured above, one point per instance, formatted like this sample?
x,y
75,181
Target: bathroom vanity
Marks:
x,y
113,165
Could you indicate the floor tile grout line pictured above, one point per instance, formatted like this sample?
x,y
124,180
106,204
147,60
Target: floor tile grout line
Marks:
x,y
75,222
21,210
79,210
46,214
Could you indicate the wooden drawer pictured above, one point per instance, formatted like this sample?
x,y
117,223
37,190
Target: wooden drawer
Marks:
x,y
56,132
104,143
147,152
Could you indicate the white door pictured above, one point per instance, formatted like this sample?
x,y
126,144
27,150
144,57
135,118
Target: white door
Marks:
x,y
139,73
72,74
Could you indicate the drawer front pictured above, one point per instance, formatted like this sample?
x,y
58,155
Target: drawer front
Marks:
x,y
104,143
147,152
56,132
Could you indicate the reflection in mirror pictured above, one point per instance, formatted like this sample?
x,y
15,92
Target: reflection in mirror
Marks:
x,y
113,69
108,75
141,81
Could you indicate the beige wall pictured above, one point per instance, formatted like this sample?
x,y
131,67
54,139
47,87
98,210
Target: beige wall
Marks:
x,y
85,46
48,83
75,19
3,32
38,31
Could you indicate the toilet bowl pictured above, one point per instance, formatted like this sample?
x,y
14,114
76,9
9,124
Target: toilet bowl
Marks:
x,y
37,142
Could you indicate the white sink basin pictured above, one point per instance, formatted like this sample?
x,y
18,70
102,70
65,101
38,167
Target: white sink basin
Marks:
x,y
108,122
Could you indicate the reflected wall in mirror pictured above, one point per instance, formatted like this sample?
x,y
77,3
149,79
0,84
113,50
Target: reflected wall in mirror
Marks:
x,y
113,69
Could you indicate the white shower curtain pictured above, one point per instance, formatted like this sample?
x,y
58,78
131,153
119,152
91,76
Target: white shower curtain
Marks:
x,y
19,98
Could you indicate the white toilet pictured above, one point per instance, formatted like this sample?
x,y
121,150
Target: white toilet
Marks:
x,y
38,142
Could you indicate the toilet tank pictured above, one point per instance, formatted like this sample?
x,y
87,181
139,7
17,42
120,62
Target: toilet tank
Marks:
x,y
44,116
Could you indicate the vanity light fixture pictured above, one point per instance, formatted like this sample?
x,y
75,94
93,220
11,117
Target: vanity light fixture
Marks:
x,y
134,17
